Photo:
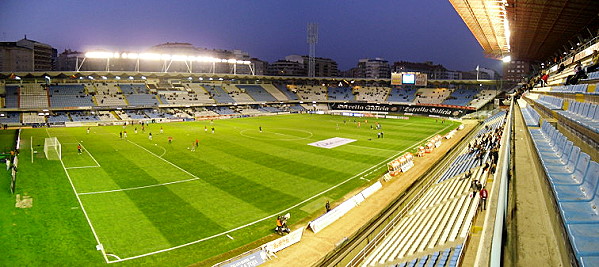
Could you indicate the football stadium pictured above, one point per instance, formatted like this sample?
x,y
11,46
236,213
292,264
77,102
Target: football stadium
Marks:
x,y
174,157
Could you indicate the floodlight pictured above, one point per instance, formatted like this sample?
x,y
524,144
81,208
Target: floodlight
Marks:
x,y
149,56
17,78
201,79
104,78
90,77
143,77
210,78
507,59
190,78
130,77
220,79
118,77
179,58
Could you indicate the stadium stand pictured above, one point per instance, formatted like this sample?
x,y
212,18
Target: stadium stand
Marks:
x,y
431,95
461,97
107,94
482,98
33,95
83,116
310,92
218,94
444,213
258,93
142,100
572,89
238,95
276,93
33,118
69,95
59,117
340,94
402,95
550,102
204,112
531,116
12,96
285,90
371,93
574,185
223,110
582,113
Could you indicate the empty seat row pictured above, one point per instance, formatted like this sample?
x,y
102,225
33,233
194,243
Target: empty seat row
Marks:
x,y
574,179
583,113
531,116
445,258
574,88
550,102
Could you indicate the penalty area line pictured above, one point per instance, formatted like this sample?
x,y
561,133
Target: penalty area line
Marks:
x,y
277,213
89,222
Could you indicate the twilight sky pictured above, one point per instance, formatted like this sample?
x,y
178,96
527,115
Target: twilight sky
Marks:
x,y
413,30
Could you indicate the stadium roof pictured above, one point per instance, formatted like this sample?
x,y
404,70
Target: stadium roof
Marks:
x,y
537,28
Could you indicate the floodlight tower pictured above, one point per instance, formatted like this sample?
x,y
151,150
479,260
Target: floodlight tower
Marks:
x,y
312,40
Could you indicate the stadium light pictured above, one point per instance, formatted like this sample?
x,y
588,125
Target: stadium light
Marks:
x,y
506,59
156,56
118,77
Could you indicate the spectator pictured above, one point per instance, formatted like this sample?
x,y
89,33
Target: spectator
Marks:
x,y
483,196
594,65
544,79
578,74
561,68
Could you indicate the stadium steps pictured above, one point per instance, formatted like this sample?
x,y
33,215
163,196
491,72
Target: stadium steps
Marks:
x,y
116,115
276,93
448,257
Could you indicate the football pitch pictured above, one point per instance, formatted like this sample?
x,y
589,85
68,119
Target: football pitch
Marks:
x,y
151,200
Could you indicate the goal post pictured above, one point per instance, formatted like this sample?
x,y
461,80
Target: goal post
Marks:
x,y
52,148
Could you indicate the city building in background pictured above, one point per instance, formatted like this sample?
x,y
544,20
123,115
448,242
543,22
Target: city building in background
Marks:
x,y
374,68
296,65
27,55
516,70
433,71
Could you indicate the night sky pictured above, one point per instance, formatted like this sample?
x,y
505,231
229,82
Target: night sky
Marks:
x,y
412,30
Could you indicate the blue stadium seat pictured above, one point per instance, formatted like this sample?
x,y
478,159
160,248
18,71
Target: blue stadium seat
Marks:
x,y
531,116
258,93
584,238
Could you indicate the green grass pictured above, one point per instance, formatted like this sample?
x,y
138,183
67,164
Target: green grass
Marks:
x,y
238,178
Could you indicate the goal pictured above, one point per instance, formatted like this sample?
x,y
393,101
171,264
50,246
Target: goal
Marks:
x,y
52,148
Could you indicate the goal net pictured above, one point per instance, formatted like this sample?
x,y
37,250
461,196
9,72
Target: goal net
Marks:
x,y
52,148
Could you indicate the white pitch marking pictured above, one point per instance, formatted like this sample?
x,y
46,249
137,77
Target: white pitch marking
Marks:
x,y
139,187
81,167
230,237
114,256
90,154
81,205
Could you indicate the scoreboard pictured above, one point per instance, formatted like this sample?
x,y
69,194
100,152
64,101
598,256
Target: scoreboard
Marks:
x,y
408,78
